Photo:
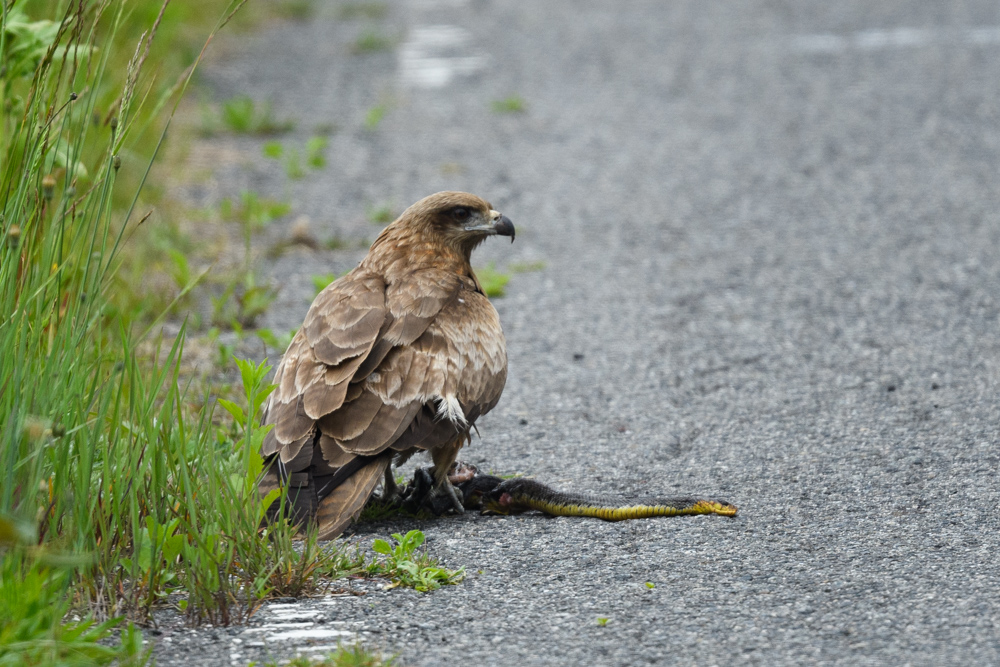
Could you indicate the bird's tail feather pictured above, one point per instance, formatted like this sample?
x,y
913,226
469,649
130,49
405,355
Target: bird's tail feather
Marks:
x,y
345,502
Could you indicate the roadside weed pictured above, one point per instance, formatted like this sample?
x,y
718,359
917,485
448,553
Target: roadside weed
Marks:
x,y
512,104
293,164
252,210
315,151
380,214
296,10
277,343
320,282
242,301
375,116
372,41
336,243
344,656
242,115
363,10
273,150
122,487
526,267
404,567
34,606
494,282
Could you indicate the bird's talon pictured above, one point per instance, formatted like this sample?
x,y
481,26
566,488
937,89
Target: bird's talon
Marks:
x,y
421,493
452,493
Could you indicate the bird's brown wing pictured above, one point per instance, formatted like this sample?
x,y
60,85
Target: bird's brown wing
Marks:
x,y
314,375
344,504
461,356
341,373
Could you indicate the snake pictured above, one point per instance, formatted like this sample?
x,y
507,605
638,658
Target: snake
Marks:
x,y
495,495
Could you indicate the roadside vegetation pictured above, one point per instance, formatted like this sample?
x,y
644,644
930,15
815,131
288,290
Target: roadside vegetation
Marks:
x,y
344,656
122,487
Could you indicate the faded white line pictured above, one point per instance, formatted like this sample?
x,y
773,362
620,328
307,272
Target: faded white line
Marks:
x,y
310,633
896,38
434,56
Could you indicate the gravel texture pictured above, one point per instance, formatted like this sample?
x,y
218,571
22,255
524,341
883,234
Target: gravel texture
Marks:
x,y
770,235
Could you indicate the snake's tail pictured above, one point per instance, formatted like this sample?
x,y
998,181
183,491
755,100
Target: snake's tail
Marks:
x,y
664,507
519,495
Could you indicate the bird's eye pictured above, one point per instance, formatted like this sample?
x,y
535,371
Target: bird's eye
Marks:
x,y
460,213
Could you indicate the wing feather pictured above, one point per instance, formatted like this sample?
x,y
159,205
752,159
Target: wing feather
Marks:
x,y
387,425
345,319
369,370
352,419
332,454
412,305
345,502
327,393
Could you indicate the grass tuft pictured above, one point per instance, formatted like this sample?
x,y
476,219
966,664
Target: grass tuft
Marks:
x,y
494,282
372,11
122,486
512,104
405,567
244,116
374,116
372,41
380,214
344,656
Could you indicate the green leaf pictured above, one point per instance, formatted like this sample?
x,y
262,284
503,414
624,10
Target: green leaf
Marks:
x,y
273,149
413,540
381,547
233,409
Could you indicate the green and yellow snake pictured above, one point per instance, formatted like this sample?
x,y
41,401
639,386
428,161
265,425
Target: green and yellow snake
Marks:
x,y
495,495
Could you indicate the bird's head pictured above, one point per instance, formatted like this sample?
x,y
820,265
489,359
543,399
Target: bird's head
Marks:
x,y
458,220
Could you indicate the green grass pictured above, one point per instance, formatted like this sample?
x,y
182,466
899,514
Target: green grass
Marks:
x,y
403,566
244,116
126,476
512,104
374,116
277,343
273,150
494,282
526,267
314,150
320,282
380,214
372,41
122,486
372,11
295,10
344,656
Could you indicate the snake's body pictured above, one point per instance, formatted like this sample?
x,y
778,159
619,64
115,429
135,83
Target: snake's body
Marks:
x,y
517,495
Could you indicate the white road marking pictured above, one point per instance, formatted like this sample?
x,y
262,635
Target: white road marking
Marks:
x,y
433,56
895,38
310,633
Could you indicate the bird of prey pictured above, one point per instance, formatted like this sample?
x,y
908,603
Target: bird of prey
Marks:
x,y
402,354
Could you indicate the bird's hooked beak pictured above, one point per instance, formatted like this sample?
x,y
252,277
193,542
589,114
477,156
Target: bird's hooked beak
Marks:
x,y
500,226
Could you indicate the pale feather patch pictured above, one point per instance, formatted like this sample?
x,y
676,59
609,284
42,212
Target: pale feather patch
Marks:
x,y
449,408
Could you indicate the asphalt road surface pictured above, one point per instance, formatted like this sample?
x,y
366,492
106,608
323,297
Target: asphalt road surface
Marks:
x,y
770,237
